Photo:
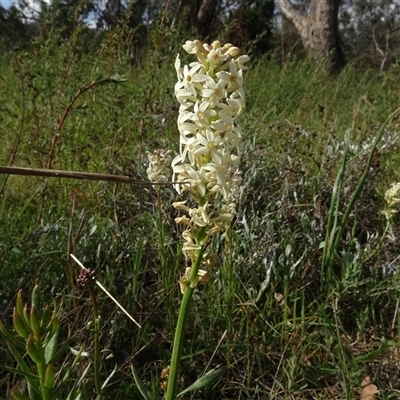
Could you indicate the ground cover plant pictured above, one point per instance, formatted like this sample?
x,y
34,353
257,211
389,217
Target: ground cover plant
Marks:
x,y
302,298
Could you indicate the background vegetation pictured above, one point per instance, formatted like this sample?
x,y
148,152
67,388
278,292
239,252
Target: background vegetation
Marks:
x,y
269,312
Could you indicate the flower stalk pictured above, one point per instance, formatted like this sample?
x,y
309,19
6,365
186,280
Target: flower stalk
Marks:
x,y
87,278
179,332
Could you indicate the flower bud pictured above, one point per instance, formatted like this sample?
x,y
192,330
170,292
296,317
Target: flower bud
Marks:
x,y
226,47
216,44
233,51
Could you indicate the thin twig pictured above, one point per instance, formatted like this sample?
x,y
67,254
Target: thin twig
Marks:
x,y
54,173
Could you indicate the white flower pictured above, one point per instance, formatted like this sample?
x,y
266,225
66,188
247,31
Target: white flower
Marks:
x,y
234,107
202,113
183,94
184,220
230,132
192,47
192,78
209,144
196,180
241,60
181,205
233,78
220,172
189,146
178,68
215,92
200,216
185,126
216,57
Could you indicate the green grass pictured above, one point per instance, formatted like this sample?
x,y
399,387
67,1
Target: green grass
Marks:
x,y
281,328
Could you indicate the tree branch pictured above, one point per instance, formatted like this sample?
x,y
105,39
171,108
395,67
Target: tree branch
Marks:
x,y
206,10
298,19
379,50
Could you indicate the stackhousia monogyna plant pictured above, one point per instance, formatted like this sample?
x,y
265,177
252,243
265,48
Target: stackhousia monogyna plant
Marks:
x,y
211,97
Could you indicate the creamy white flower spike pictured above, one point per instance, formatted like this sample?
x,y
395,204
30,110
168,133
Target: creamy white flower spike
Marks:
x,y
159,169
392,198
211,97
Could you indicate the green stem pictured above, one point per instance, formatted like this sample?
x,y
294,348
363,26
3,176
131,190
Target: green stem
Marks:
x,y
97,381
160,229
230,287
46,392
180,330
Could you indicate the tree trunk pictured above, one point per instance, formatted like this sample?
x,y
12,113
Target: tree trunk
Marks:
x,y
318,31
201,14
205,16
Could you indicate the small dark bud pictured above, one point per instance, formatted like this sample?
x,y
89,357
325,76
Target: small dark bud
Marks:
x,y
86,276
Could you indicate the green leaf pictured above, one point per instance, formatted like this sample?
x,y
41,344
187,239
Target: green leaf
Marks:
x,y
117,78
10,337
18,358
74,394
54,324
373,355
46,317
36,298
19,324
35,321
142,389
33,380
19,372
62,348
207,380
49,377
67,373
34,393
20,307
83,374
109,377
25,313
19,396
50,347
33,351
